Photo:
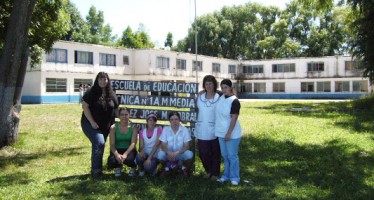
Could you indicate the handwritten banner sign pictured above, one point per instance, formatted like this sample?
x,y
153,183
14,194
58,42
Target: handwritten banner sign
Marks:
x,y
136,113
141,126
165,101
155,86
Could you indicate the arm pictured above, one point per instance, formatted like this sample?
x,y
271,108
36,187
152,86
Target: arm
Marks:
x,y
141,144
87,113
234,118
113,149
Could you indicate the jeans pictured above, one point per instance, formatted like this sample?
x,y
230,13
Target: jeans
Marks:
x,y
229,152
148,168
210,155
97,139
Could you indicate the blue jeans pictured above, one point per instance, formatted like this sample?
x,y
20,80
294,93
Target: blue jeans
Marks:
x,y
150,168
229,152
97,139
187,155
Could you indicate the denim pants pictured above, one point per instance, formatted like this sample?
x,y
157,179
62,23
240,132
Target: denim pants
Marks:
x,y
97,139
210,155
187,155
229,152
150,168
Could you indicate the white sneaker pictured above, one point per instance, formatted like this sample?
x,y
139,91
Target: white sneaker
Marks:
x,y
132,172
221,180
118,172
234,183
141,173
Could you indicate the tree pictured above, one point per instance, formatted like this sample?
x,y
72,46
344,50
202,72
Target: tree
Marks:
x,y
169,40
137,40
22,33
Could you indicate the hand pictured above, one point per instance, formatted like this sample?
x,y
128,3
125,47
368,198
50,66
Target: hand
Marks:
x,y
147,162
119,158
141,154
171,156
227,136
94,125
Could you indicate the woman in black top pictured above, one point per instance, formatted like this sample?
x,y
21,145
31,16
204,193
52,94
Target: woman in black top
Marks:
x,y
99,105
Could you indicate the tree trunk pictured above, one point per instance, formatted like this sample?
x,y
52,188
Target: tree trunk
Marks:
x,y
13,63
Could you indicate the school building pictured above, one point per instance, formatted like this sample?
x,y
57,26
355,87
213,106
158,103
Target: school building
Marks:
x,y
69,64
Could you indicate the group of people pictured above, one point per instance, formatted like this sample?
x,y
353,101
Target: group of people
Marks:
x,y
217,130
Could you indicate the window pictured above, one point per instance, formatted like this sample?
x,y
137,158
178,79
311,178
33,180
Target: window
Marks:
x,y
198,64
162,62
56,84
351,65
246,87
284,67
216,67
278,87
307,87
259,87
57,56
324,86
232,69
253,69
107,59
360,86
181,64
126,60
77,82
83,57
341,86
316,67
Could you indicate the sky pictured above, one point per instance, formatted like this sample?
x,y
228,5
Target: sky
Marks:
x,y
159,16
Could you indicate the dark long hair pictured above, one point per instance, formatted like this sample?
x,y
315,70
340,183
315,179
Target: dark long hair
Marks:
x,y
97,91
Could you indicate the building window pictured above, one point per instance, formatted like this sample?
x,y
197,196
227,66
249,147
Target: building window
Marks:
x,y
253,69
341,86
232,69
181,64
107,59
360,86
246,87
57,56
126,60
324,86
307,87
316,67
162,62
56,84
198,64
278,87
83,57
351,65
259,88
290,67
77,82
216,67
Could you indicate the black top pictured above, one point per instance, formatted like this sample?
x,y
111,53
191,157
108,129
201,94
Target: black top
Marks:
x,y
235,106
102,110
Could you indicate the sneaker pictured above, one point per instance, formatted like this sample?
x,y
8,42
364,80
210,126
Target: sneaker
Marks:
x,y
141,173
221,180
186,172
132,172
234,183
213,178
118,172
165,172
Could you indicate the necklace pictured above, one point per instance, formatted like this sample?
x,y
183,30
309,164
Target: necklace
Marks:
x,y
208,102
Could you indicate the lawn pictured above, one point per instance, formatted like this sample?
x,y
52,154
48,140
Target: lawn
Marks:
x,y
290,150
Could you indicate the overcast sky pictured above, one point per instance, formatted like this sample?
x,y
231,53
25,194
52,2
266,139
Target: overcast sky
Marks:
x,y
159,16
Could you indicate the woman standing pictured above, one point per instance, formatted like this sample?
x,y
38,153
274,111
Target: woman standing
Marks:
x,y
149,146
229,132
207,142
123,137
99,104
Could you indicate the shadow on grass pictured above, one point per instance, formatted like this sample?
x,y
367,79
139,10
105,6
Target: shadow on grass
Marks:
x,y
357,119
274,170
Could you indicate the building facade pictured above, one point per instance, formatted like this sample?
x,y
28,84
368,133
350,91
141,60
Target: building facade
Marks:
x,y
69,64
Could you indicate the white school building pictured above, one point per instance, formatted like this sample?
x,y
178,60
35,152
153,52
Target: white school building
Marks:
x,y
69,64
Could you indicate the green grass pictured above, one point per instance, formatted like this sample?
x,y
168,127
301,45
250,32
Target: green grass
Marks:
x,y
290,150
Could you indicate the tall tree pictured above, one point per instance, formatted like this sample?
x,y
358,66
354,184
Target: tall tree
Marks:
x,y
22,33
169,40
